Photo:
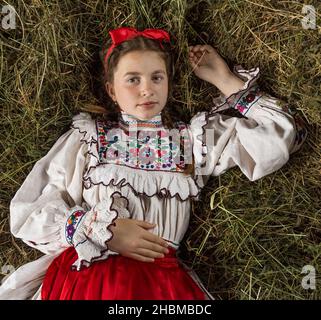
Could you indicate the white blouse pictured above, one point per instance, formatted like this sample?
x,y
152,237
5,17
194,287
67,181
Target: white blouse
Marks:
x,y
76,174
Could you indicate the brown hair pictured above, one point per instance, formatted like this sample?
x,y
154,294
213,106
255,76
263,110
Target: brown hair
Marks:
x,y
111,110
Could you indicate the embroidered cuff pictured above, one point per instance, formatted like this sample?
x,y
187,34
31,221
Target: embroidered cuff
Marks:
x,y
92,235
244,100
73,222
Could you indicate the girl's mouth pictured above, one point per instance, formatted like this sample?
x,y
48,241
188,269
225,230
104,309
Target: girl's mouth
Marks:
x,y
148,104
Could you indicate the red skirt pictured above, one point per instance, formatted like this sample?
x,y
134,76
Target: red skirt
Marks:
x,y
119,278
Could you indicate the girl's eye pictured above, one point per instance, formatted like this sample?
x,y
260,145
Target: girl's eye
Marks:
x,y
160,78
132,79
157,78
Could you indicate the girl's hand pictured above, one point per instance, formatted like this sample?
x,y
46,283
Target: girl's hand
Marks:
x,y
207,64
132,240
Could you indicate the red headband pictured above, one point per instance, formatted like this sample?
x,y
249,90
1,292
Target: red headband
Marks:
x,y
125,33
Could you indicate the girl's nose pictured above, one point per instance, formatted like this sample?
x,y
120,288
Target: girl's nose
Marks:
x,y
147,89
147,93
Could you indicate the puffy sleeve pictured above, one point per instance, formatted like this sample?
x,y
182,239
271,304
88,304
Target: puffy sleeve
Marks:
x,y
259,142
43,209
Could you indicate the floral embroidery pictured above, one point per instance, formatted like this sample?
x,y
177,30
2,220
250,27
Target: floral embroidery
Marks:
x,y
144,148
72,224
245,100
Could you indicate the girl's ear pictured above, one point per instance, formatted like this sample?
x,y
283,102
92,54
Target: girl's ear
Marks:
x,y
110,90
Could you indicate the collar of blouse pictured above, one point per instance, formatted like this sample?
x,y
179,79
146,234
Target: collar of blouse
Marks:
x,y
130,120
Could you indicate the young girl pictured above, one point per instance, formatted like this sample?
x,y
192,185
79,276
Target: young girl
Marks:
x,y
110,202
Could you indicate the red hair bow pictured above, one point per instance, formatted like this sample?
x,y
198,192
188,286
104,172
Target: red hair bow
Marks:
x,y
125,33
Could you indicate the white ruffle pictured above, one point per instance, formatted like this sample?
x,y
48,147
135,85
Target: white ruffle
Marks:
x,y
92,234
200,120
197,124
150,183
84,123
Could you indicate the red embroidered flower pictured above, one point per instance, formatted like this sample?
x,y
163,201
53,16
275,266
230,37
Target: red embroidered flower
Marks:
x,y
250,97
240,108
78,213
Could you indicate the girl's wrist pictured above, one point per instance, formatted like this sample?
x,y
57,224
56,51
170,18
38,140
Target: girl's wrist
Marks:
x,y
228,83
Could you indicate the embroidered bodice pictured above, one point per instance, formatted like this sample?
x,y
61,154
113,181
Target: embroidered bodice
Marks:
x,y
145,145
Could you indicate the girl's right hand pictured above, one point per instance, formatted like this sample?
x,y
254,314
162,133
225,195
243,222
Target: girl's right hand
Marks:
x,y
207,64
131,239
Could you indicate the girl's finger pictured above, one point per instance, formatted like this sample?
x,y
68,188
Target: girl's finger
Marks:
x,y
151,246
145,224
192,48
153,238
140,258
149,253
193,58
197,47
202,48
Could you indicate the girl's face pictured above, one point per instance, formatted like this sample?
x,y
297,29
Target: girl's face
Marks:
x,y
140,77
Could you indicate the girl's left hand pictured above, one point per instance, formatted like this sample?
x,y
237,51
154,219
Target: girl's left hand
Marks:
x,y
207,64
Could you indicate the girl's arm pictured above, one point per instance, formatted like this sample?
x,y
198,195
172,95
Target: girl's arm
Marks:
x,y
260,143
48,212
228,83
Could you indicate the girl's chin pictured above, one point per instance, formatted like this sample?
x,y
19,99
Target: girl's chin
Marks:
x,y
147,115
145,118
